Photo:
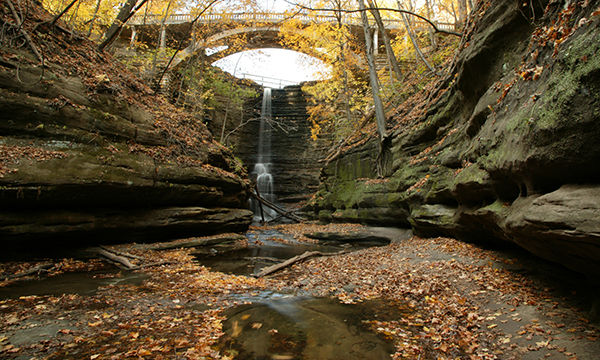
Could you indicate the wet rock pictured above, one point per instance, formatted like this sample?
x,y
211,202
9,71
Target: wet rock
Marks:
x,y
369,234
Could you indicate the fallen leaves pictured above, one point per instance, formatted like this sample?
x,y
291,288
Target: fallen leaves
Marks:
x,y
13,155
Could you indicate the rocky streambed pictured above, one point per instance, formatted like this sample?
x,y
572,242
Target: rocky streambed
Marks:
x,y
411,298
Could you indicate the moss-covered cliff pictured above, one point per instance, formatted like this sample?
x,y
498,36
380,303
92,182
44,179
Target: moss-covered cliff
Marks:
x,y
508,152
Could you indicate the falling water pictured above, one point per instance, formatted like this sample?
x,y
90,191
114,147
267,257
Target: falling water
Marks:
x,y
262,168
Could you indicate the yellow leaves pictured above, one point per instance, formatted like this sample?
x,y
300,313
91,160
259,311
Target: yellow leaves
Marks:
x,y
532,73
144,352
95,323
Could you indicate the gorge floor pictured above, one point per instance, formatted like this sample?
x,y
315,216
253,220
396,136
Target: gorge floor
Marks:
x,y
448,299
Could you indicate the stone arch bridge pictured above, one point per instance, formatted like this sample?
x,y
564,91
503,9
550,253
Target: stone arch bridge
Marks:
x,y
264,29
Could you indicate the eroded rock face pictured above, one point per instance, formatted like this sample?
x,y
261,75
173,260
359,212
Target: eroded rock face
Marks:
x,y
98,156
509,153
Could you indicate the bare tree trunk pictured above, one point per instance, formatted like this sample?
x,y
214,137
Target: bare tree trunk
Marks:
x,y
74,15
462,13
63,12
430,15
342,59
379,113
414,42
117,25
89,33
386,40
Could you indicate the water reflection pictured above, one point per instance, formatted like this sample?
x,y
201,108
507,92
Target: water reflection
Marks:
x,y
291,327
264,251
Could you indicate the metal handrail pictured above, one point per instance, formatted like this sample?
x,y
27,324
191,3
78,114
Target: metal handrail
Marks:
x,y
269,80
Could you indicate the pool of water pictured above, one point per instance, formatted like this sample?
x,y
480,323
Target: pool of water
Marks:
x,y
80,283
263,251
279,326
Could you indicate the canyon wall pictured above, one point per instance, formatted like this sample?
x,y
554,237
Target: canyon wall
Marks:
x,y
88,152
509,151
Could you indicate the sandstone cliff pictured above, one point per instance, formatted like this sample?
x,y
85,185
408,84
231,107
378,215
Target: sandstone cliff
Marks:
x,y
88,151
509,150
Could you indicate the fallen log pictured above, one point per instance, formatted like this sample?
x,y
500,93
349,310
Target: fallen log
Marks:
x,y
121,260
279,210
36,270
193,242
305,255
121,253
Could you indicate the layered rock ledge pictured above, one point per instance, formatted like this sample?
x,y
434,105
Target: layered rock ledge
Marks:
x,y
88,151
509,150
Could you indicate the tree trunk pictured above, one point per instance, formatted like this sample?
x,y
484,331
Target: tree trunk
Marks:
x,y
305,255
414,42
63,12
431,16
462,13
89,33
342,59
386,40
161,39
117,25
379,113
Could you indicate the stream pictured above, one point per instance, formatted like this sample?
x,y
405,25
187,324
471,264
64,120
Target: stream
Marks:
x,y
295,326
270,325
268,247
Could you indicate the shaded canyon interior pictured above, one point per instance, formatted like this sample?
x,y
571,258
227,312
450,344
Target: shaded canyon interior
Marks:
x,y
481,164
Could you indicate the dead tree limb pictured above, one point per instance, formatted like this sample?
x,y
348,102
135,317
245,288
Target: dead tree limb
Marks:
x,y
115,258
279,210
305,255
36,270
121,253
193,242
25,33
260,205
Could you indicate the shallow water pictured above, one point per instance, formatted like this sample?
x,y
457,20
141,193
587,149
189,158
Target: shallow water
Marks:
x,y
280,326
263,252
292,326
80,283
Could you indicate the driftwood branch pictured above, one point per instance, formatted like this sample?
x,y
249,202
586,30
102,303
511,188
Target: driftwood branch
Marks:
x,y
121,253
120,260
279,210
193,242
36,270
305,255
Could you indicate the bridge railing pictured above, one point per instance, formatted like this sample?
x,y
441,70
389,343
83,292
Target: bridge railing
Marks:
x,y
269,81
268,18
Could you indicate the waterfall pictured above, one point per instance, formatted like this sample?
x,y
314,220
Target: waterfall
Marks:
x,y
262,168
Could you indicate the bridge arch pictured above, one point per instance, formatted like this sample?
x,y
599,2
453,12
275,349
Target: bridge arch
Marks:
x,y
267,38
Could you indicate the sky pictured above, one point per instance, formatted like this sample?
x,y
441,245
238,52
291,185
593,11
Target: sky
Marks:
x,y
273,67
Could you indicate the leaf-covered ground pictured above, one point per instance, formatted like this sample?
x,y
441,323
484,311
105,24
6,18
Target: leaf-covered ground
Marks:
x,y
467,302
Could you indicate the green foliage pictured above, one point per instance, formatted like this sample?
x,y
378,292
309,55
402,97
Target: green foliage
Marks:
x,y
209,88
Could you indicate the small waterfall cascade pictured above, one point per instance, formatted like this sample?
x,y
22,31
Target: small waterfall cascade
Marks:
x,y
262,168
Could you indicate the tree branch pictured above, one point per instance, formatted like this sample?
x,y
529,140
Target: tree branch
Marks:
x,y
431,23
